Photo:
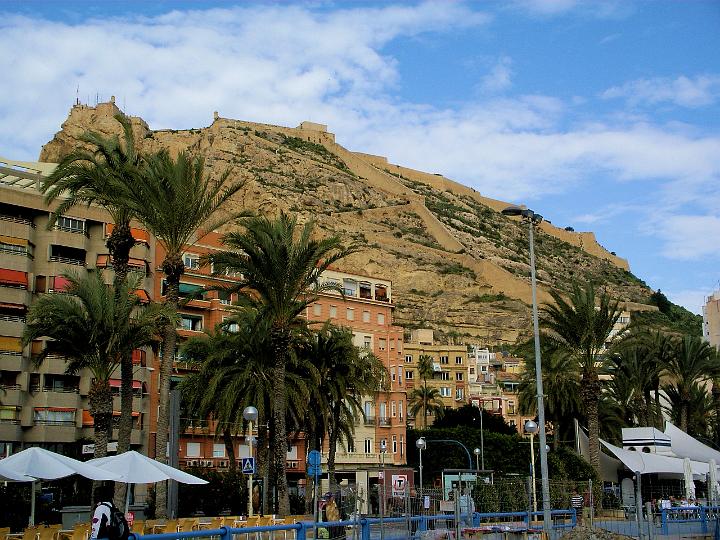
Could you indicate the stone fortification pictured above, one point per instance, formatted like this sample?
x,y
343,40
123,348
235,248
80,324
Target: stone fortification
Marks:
x,y
457,264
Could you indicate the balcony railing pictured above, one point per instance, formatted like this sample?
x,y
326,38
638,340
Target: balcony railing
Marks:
x,y
369,420
12,421
12,318
383,421
9,387
66,260
10,353
17,219
69,390
73,230
68,423
21,252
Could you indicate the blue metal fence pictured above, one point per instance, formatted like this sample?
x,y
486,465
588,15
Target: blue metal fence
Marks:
x,y
699,515
394,528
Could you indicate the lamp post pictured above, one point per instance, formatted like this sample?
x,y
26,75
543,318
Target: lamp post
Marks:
x,y
531,428
477,458
482,438
250,414
421,445
533,219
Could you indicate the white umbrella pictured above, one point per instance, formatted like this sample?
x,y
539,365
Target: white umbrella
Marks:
x,y
44,464
134,468
688,477
9,475
712,482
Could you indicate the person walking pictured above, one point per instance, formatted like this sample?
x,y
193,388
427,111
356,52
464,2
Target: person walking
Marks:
x,y
107,521
577,502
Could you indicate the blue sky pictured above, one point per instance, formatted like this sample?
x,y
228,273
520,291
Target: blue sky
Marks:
x,y
602,116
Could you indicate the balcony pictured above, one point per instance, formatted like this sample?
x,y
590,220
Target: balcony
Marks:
x,y
15,295
12,325
47,397
369,420
383,421
66,260
11,396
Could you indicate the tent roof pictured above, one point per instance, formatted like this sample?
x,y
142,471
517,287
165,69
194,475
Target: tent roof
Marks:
x,y
135,468
654,463
644,436
683,445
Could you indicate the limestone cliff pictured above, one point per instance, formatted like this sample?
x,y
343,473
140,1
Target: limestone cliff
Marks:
x,y
456,263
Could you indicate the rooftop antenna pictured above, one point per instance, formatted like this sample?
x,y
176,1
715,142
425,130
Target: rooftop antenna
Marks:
x,y
77,95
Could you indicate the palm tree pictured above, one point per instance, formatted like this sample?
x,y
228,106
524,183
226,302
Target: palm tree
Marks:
x,y
177,203
581,327
346,374
634,373
281,265
93,326
425,371
695,361
696,404
561,381
426,400
100,176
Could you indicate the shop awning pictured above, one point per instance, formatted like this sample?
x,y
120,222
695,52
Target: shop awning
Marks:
x,y
684,445
13,240
7,305
116,383
59,284
13,278
139,235
648,463
10,344
142,295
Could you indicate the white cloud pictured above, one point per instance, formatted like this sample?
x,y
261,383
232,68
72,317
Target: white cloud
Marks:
x,y
688,237
500,76
287,63
691,299
692,92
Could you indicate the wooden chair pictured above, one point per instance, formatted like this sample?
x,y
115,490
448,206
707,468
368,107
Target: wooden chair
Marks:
x,y
81,531
30,533
215,523
187,524
4,531
138,527
48,532
150,526
171,526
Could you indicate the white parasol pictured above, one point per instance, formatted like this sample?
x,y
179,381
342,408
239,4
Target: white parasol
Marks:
x,y
134,468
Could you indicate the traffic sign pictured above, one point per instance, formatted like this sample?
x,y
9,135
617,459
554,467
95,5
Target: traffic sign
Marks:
x,y
248,465
314,458
314,471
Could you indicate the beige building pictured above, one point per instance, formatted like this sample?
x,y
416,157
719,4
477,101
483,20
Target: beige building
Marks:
x,y
711,319
450,369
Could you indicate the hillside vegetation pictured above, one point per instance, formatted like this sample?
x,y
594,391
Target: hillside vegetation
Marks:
x,y
457,264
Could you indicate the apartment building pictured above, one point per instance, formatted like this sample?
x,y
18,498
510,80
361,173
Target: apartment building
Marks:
x,y
366,307
711,319
42,405
450,369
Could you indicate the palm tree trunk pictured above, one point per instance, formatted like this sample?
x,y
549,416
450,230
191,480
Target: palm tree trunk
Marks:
x,y
230,449
281,342
173,268
100,404
590,395
684,415
313,444
425,405
332,449
119,244
716,404
263,453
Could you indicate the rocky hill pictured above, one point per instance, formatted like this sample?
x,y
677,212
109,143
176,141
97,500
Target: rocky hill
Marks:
x,y
457,264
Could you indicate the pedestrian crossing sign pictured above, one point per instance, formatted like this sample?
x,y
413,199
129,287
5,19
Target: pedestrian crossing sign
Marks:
x,y
248,465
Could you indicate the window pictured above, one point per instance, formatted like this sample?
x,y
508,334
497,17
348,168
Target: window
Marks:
x,y
366,316
459,376
409,374
400,370
55,416
350,314
444,375
367,342
392,343
191,322
402,445
381,318
193,449
472,371
511,407
317,309
458,359
459,393
400,408
231,326
382,344
191,261
368,446
218,450
483,369
69,224
408,358
225,297
512,423
445,391
393,410
383,410
443,359
394,444
67,255
350,446
392,374
333,312
15,246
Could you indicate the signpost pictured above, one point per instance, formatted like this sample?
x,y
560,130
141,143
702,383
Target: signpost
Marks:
x,y
315,470
248,465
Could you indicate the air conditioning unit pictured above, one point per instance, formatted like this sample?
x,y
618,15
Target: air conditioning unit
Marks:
x,y
437,367
223,464
292,464
191,463
209,463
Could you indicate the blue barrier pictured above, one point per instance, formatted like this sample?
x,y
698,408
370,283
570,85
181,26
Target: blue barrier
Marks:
x,y
415,525
688,514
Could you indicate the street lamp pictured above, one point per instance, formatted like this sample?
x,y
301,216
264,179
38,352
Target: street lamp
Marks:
x,y
477,458
482,437
533,219
250,414
532,428
421,445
